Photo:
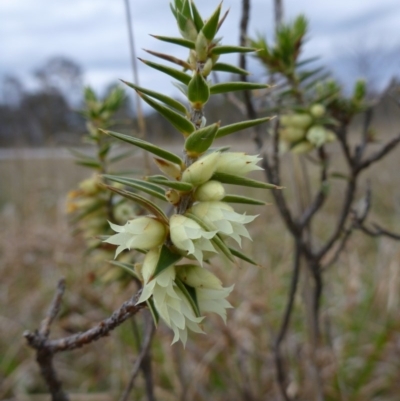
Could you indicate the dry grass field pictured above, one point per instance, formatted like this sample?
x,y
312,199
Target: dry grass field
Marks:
x,y
358,361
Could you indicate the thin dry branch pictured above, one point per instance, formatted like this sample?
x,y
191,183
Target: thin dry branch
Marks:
x,y
46,349
280,370
44,356
102,329
140,358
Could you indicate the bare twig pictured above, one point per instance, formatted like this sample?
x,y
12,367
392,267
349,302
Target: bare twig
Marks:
x,y
140,359
360,149
379,154
46,349
378,231
44,356
320,197
280,371
102,329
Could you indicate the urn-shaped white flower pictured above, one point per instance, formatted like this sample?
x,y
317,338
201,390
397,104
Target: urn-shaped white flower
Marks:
x,y
141,233
189,236
237,163
171,304
210,295
201,170
221,217
209,191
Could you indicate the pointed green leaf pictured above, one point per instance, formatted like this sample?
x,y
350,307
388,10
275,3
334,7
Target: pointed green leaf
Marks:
x,y
199,141
235,86
159,96
186,9
230,129
127,172
242,256
190,294
181,87
223,67
221,21
218,241
246,182
80,154
178,185
121,156
184,64
147,204
231,49
198,20
146,146
198,91
242,199
307,61
153,310
140,185
219,149
210,27
128,267
178,75
181,123
167,258
173,10
89,163
176,41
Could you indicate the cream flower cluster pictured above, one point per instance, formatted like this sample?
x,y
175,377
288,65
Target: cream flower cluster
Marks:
x,y
181,294
303,132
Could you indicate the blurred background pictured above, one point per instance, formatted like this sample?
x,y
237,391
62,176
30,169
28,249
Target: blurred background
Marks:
x,y
49,52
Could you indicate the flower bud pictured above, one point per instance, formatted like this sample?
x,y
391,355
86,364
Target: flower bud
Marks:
x,y
317,135
198,277
296,120
149,264
207,67
198,91
237,163
189,236
123,212
209,191
173,196
201,47
90,186
169,168
317,110
292,134
302,147
201,170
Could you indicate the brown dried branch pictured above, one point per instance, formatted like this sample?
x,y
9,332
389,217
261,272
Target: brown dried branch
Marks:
x,y
378,231
44,356
378,155
321,196
46,349
280,371
140,359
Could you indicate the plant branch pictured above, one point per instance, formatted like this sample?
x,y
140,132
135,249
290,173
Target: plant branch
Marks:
x,y
140,358
280,371
321,196
44,356
102,329
391,145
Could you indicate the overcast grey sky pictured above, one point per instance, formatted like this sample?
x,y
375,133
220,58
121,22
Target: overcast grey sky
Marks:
x,y
94,33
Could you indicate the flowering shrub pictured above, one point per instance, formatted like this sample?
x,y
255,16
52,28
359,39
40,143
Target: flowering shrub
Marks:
x,y
177,290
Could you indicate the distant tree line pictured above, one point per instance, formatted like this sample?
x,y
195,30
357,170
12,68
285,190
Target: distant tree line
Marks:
x,y
49,115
